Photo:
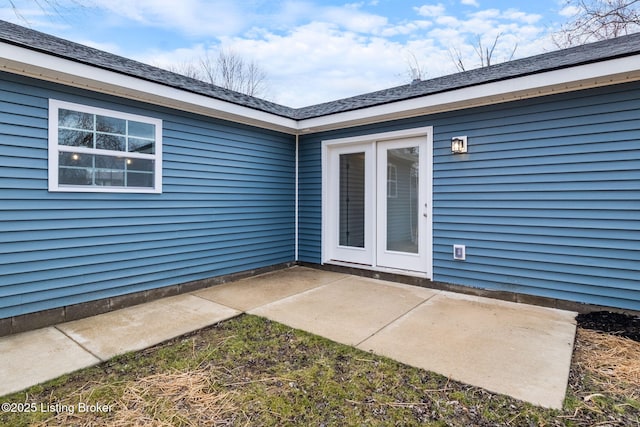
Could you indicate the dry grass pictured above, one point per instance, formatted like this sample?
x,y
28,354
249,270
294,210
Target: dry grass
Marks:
x,y
251,371
165,399
614,360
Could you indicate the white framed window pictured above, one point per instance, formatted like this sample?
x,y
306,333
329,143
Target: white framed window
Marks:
x,y
98,150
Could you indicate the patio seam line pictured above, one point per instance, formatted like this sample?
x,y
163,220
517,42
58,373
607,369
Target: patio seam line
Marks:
x,y
397,318
100,359
295,295
285,269
345,276
219,303
238,311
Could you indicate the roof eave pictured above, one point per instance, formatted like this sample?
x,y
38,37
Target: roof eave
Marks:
x,y
547,82
24,61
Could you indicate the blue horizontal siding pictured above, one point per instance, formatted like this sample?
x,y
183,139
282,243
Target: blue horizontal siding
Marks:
x,y
309,199
547,200
227,206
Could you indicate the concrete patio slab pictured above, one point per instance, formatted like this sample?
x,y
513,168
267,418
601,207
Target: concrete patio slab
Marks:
x,y
33,357
520,350
141,326
266,288
348,310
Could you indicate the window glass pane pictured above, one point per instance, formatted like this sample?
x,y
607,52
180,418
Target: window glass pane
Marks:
x,y
75,169
137,179
142,130
111,125
75,160
110,162
110,142
68,176
402,200
75,119
140,173
75,138
109,171
140,165
351,196
141,146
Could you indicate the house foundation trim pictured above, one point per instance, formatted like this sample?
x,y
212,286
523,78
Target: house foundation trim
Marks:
x,y
41,319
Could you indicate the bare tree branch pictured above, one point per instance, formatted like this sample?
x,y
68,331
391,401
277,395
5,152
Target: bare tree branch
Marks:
x,y
228,70
456,57
485,54
186,69
45,5
598,20
416,72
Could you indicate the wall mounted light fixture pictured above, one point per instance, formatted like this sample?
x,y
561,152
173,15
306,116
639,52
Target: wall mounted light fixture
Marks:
x,y
459,144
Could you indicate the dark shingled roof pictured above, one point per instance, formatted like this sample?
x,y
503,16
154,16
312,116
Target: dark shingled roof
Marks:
x,y
579,55
45,43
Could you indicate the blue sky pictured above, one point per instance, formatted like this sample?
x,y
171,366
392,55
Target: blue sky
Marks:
x,y
312,51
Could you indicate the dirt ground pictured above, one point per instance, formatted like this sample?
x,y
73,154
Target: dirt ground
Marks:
x,y
622,325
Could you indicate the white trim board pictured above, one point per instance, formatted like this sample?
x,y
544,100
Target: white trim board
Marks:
x,y
54,148
53,68
368,258
558,81
60,70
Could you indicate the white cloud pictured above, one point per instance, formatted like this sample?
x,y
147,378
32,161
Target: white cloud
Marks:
x,y
486,14
319,62
352,19
228,17
345,51
516,15
192,17
429,10
314,53
173,58
448,21
569,11
406,28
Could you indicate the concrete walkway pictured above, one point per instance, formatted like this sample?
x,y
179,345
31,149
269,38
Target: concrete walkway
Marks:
x,y
520,350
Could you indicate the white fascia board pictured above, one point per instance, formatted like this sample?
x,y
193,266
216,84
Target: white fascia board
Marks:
x,y
602,73
19,60
42,66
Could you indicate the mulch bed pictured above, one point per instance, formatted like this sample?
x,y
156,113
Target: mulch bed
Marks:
x,y
623,325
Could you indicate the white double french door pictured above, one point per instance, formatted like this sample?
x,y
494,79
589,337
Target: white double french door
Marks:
x,y
377,204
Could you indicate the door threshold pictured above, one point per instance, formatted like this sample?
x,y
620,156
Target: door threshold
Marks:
x,y
389,270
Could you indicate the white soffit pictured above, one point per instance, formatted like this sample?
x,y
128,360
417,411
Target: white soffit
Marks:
x,y
19,60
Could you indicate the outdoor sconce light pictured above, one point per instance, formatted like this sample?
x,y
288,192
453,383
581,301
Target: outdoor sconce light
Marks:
x,y
459,144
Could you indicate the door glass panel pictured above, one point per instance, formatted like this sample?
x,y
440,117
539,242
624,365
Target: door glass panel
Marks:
x,y
402,199
351,228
